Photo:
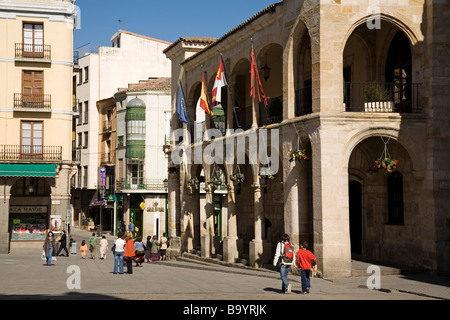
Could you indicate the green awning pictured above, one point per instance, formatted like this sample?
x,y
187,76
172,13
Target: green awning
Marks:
x,y
27,170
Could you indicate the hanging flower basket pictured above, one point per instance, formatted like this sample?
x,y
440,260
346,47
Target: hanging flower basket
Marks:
x,y
214,182
193,183
387,163
297,155
237,177
172,170
267,174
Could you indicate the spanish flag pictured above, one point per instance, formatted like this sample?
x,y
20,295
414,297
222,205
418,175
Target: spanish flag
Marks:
x,y
256,82
203,101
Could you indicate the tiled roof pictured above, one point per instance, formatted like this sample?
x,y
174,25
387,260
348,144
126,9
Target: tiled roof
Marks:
x,y
162,83
192,40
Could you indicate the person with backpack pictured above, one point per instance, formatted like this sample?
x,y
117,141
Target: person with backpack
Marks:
x,y
284,258
303,261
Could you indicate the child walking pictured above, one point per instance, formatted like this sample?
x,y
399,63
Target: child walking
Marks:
x,y
83,249
303,261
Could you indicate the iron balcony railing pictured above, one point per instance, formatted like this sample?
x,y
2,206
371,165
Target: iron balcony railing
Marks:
x,y
30,153
382,97
37,102
140,184
33,51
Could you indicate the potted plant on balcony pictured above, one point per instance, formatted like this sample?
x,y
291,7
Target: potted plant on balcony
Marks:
x,y
377,98
193,183
297,155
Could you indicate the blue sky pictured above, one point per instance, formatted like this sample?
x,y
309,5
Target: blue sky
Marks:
x,y
165,20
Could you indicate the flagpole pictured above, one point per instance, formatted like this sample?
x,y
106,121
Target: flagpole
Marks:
x,y
253,89
187,109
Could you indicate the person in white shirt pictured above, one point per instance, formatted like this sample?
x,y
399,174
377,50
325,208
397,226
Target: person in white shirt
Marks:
x,y
103,247
119,250
284,264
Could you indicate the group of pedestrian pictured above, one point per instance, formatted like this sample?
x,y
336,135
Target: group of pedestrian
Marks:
x,y
50,247
285,258
128,250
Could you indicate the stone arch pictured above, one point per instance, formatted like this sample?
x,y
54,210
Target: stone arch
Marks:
x,y
400,22
405,140
371,232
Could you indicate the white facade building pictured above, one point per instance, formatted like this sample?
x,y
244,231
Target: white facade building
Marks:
x,y
143,125
131,58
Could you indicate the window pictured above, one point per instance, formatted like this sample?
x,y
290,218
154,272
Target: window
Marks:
x,y
120,141
86,74
31,139
86,139
395,198
80,111
136,130
80,140
85,176
30,186
86,111
32,88
33,39
80,76
135,172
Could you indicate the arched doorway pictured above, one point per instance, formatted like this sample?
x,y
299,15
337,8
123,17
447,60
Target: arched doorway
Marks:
x,y
384,223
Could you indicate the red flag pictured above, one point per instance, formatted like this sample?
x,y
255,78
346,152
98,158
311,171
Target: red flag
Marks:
x,y
202,101
256,82
218,84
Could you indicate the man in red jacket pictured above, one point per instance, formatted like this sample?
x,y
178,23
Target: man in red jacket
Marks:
x,y
303,261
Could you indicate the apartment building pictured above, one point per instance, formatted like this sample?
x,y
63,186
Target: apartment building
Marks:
x,y
36,120
131,57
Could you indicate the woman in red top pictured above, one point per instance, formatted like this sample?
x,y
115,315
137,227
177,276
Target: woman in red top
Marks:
x,y
129,251
303,261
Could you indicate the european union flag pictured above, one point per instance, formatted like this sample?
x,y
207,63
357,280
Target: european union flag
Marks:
x,y
181,106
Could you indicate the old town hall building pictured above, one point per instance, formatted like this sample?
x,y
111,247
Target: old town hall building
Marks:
x,y
363,87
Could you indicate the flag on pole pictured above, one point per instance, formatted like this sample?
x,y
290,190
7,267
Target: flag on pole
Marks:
x,y
218,84
202,101
181,106
256,82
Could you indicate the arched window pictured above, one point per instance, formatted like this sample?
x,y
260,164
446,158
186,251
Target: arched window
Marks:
x,y
395,198
399,72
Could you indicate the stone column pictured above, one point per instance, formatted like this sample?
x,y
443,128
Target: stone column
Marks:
x,y
330,203
258,247
4,215
230,242
173,191
207,238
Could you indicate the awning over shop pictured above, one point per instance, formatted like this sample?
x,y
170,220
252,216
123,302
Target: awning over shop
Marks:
x,y
28,170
